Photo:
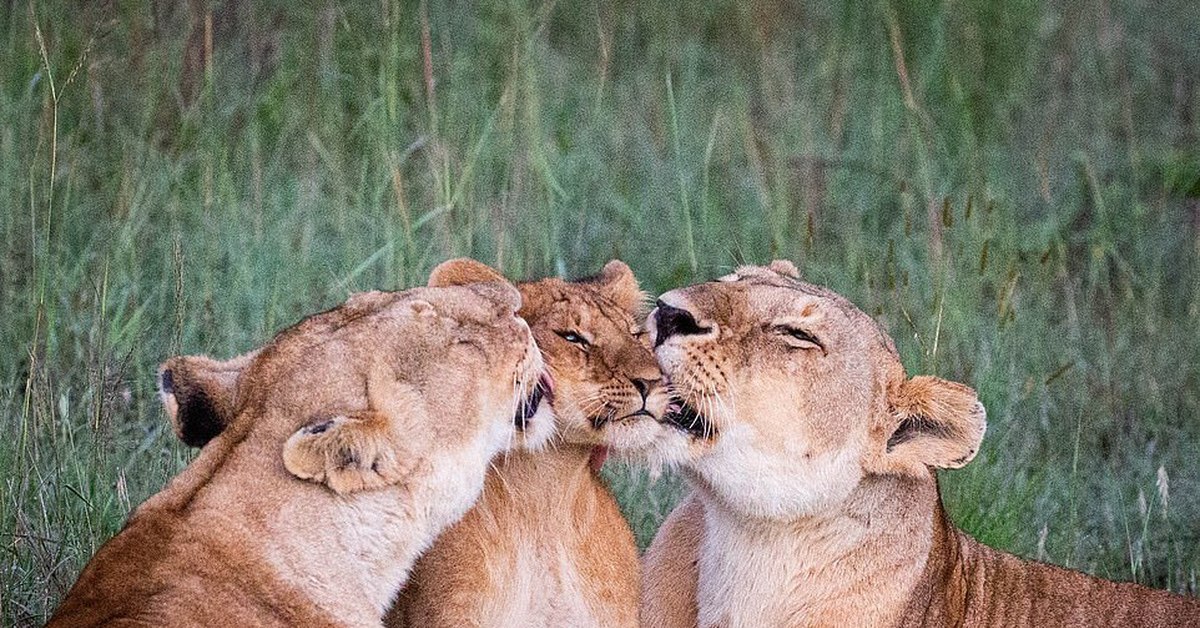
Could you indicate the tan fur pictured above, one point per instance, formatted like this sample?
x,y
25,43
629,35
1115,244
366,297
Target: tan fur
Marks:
x,y
345,445
546,545
815,501
670,568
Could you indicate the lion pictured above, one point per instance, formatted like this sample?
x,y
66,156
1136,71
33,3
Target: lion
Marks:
x,y
547,545
332,457
815,502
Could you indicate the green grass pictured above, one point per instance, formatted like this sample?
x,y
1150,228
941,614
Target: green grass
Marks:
x,y
1012,188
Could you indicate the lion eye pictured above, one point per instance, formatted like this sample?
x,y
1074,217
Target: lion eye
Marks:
x,y
574,338
801,339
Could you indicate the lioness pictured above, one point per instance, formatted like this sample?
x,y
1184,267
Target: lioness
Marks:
x,y
387,408
546,545
816,503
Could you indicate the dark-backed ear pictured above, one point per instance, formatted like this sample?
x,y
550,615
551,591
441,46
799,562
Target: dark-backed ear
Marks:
x,y
933,423
617,282
463,271
784,267
362,450
200,394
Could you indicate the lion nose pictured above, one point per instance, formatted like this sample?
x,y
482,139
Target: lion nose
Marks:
x,y
670,321
642,386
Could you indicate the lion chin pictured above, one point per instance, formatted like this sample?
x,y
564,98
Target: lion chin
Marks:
x,y
330,458
814,498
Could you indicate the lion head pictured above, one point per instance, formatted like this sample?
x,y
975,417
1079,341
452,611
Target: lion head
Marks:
x,y
607,387
798,395
608,390
370,392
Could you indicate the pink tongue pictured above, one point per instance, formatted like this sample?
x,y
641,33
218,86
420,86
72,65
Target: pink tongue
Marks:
x,y
599,455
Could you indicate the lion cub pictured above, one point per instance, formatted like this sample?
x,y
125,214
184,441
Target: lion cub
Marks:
x,y
815,502
334,455
546,545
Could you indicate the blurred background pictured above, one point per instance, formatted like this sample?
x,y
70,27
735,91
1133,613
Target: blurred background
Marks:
x,y
1011,187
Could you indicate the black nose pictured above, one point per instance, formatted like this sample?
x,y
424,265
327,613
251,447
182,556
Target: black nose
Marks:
x,y
642,386
671,320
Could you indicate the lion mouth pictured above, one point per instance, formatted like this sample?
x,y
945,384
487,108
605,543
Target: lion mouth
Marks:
x,y
599,421
543,389
684,417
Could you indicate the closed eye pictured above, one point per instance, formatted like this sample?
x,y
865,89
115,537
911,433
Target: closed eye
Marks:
x,y
800,338
574,337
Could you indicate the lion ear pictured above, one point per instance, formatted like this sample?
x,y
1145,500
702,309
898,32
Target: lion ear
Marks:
x,y
463,271
617,282
482,279
934,423
200,394
784,267
347,453
362,450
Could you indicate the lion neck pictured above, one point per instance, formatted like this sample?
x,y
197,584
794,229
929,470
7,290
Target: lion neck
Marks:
x,y
545,472
854,566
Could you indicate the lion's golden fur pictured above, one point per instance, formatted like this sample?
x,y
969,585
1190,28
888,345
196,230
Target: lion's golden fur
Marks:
x,y
546,545
815,501
334,456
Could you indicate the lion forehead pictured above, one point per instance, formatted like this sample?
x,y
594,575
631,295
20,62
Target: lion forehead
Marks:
x,y
765,293
556,306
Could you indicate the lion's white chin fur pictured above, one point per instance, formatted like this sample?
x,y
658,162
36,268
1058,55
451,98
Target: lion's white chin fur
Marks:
x,y
762,485
539,429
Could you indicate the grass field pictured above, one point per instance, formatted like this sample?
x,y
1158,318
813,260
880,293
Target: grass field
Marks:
x,y
1013,188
